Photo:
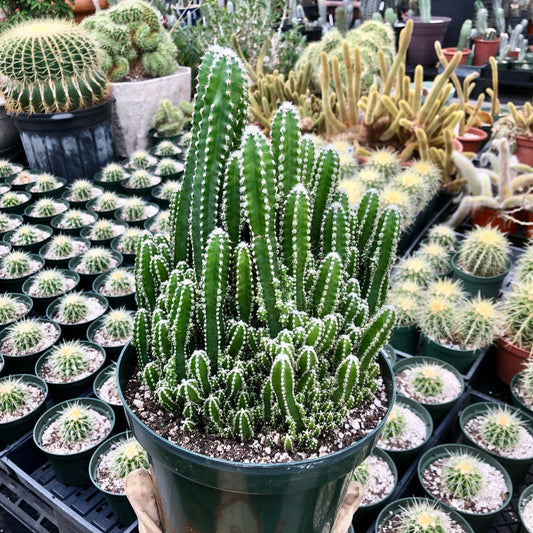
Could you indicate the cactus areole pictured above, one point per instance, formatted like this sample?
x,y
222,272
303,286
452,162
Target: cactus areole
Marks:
x,y
260,318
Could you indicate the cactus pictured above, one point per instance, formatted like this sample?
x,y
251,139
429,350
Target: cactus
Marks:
x,y
133,209
477,322
4,222
526,379
25,335
169,188
427,380
500,427
484,252
139,179
425,11
169,120
385,161
444,235
395,424
464,35
16,264
81,190
113,172
102,230
129,456
68,359
6,168
96,260
26,234
167,149
446,288
436,255
394,195
12,395
108,201
167,167
129,241
45,208
524,265
517,307
12,199
414,268
46,183
141,160
161,223
462,476
61,246
362,473
133,41
75,423
8,308
437,318
406,305
423,517
73,307
72,219
118,324
120,281
50,66
48,283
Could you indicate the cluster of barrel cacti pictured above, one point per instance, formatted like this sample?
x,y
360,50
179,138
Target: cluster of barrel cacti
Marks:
x,y
264,308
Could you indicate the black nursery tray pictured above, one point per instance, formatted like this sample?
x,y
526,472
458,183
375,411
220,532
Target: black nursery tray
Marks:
x,y
30,492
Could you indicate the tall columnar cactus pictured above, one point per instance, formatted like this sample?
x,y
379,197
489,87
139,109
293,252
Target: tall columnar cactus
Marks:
x,y
50,66
267,299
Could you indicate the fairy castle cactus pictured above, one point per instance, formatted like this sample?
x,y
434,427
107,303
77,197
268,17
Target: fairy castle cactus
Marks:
x,y
264,308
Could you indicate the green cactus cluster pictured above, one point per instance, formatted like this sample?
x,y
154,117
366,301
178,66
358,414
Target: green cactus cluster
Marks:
x,y
108,201
81,190
68,359
427,379
139,179
264,307
6,168
133,41
168,167
167,149
96,260
517,308
45,207
113,172
500,427
49,282
484,252
72,219
119,281
12,199
12,395
75,424
25,335
16,264
395,425
118,324
444,235
129,456
462,476
50,66
61,246
170,120
423,517
129,241
46,183
73,307
8,308
133,209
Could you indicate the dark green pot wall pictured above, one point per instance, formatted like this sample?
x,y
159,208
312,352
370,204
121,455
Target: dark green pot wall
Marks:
x,y
405,339
461,360
198,493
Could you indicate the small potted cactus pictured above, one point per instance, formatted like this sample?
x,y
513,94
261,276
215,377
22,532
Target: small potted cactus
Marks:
x,y
24,341
140,160
110,176
524,266
68,434
45,209
522,388
14,202
47,285
420,515
110,464
482,261
162,194
71,222
16,268
444,235
127,243
112,331
9,222
105,388
140,183
170,121
62,248
136,211
525,509
167,149
22,179
75,311
406,297
414,268
93,262
22,402
466,480
438,257
8,169
160,223
118,286
28,237
13,307
70,367
405,432
47,185
80,191
103,231
169,168
106,204
434,384
503,432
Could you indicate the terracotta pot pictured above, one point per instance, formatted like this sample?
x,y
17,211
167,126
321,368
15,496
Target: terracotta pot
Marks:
x,y
85,8
513,53
450,52
488,216
457,145
472,139
510,359
524,149
527,217
484,49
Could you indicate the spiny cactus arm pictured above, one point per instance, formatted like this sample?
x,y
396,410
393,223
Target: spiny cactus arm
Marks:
x,y
347,377
215,275
307,161
236,338
365,221
380,258
144,283
327,288
504,169
474,112
335,231
493,92
244,423
141,336
339,89
354,311
333,125
198,368
231,212
244,287
523,182
405,39
151,374
159,269
423,146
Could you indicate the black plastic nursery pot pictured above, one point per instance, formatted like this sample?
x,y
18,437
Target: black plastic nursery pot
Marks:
x,y
516,468
138,223
121,423
2,364
178,156
71,389
478,522
126,300
118,502
142,192
487,287
16,186
109,214
62,262
405,338
86,280
26,300
15,284
42,220
437,410
72,145
54,193
72,469
155,138
85,232
461,360
40,303
196,492
11,431
19,208
398,506
30,248
113,352
524,499
517,402
128,258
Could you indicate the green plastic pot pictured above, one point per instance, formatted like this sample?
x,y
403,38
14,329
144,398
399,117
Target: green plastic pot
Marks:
x,y
461,360
18,209
138,223
43,220
516,400
21,298
71,389
390,353
76,331
194,490
15,284
110,214
155,138
398,506
12,216
436,410
11,431
30,248
55,193
111,186
72,469
121,423
524,499
516,468
163,203
405,338
102,242
86,280
40,303
71,231
486,287
119,503
174,176
113,352
63,262
25,364
126,300
403,458
128,258
81,204
478,522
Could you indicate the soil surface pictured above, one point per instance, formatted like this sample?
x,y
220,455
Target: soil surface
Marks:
x,y
103,339
527,514
78,247
34,397
21,309
40,234
109,392
381,481
106,475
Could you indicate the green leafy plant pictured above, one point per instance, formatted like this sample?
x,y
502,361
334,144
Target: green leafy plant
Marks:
x,y
16,11
395,424
12,395
81,190
16,264
120,281
118,324
113,172
25,335
8,308
97,259
74,422
462,476
73,307
500,427
130,456
69,359
61,246
49,282
427,379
